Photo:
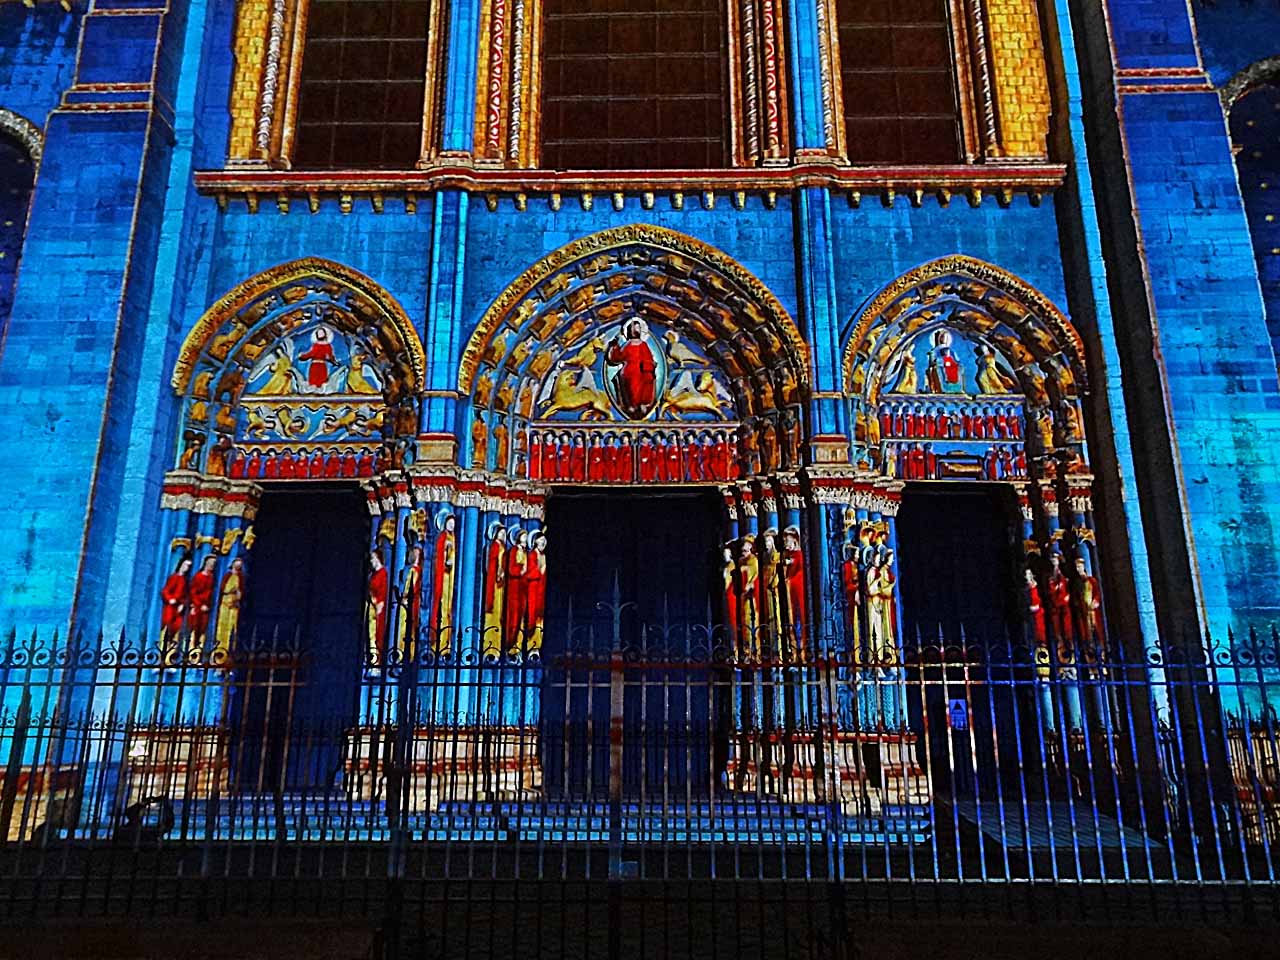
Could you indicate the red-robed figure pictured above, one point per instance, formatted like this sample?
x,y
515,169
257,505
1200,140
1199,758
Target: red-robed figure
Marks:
x,y
852,600
320,356
648,461
636,382
596,461
535,457
625,463
1060,610
793,564
376,615
200,594
514,614
1035,610
174,597
731,596
672,452
535,595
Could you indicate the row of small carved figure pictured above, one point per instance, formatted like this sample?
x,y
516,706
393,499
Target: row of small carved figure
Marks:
x,y
924,421
270,464
610,458
919,461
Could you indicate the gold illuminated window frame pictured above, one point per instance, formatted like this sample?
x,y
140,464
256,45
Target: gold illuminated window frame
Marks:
x,y
509,84
268,49
1001,76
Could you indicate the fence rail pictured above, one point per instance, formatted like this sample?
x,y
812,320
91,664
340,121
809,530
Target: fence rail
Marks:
x,y
656,766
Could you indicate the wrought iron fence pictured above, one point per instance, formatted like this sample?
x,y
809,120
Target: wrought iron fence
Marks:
x,y
651,788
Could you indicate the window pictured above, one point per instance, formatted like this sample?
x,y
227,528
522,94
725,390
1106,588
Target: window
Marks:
x,y
17,173
898,81
633,84
363,84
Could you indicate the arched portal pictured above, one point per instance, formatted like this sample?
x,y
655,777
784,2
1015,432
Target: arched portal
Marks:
x,y
644,359
637,398
635,355
964,382
306,371
299,392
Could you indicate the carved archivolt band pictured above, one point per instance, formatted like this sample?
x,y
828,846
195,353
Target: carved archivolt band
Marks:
x,y
309,268
659,237
24,131
1027,298
1255,75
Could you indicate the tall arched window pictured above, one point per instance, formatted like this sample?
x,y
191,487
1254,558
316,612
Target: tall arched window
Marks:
x,y
363,84
1255,133
633,84
898,82
17,175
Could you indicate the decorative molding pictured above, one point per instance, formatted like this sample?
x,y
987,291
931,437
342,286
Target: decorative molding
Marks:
x,y
218,496
270,77
1032,179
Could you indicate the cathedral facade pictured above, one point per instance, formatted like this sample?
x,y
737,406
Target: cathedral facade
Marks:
x,y
433,330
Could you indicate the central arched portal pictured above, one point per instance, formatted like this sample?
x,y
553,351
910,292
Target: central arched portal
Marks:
x,y
645,395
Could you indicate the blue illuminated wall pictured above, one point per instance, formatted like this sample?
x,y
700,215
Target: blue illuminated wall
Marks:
x,y
123,255
1255,131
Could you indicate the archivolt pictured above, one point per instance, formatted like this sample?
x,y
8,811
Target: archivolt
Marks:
x,y
368,300
701,279
24,131
1034,335
1255,75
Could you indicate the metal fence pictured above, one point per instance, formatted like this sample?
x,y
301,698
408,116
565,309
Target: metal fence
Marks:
x,y
653,790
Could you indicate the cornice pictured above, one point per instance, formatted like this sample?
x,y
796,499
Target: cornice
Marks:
x,y
975,182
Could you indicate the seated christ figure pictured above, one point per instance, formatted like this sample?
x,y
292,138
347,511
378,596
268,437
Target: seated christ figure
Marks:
x,y
636,381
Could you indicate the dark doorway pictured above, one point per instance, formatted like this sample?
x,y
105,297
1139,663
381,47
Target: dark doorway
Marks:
x,y
306,587
660,550
957,577
955,562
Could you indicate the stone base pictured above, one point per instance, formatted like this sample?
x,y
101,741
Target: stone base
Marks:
x,y
186,762
458,764
866,773
44,794
1253,759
